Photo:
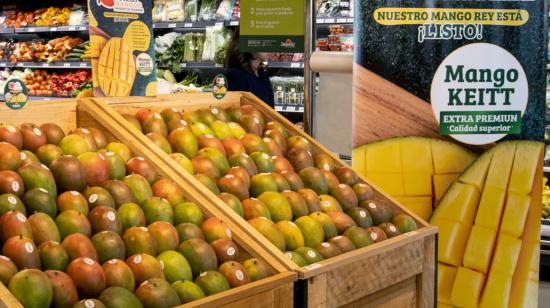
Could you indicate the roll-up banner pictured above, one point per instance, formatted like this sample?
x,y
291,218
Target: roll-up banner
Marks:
x,y
448,119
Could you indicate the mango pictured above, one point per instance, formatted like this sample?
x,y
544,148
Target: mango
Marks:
x,y
269,229
119,274
187,291
277,204
311,230
32,288
117,297
293,236
157,292
212,282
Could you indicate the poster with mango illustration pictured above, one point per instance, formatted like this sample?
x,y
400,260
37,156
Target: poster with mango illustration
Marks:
x,y
448,120
122,56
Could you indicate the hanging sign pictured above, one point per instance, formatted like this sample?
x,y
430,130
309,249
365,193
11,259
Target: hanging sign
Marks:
x,y
272,26
122,43
16,94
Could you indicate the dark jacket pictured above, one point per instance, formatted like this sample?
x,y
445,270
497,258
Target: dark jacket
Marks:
x,y
239,79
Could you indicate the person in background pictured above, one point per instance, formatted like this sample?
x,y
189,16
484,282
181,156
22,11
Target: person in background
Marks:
x,y
246,72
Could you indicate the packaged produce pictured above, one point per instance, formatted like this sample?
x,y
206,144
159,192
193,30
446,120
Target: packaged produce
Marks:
x,y
207,10
322,44
191,10
224,10
346,43
78,16
159,10
174,10
288,90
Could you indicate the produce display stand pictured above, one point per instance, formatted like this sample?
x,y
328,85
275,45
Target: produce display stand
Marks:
x,y
274,291
398,272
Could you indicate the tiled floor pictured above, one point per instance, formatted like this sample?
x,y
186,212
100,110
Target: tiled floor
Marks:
x,y
544,294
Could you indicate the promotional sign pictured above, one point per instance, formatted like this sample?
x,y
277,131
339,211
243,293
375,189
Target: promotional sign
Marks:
x,y
448,118
272,26
16,94
122,42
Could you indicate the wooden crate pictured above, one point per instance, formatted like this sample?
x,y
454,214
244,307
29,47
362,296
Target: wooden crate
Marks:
x,y
274,291
399,272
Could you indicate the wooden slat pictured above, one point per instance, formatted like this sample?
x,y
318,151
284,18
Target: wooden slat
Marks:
x,y
426,282
317,291
261,295
349,283
7,300
62,113
402,295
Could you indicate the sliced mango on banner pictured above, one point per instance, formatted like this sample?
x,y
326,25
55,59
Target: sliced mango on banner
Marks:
x,y
497,253
446,280
412,169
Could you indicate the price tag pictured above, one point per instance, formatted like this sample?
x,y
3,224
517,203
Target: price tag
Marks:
x,y
66,64
342,20
320,21
3,64
218,24
20,64
188,25
350,20
72,28
278,108
218,65
53,29
82,28
83,64
171,25
329,20
31,30
234,23
183,65
295,64
45,64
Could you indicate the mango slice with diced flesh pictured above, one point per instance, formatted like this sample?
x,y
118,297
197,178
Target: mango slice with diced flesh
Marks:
x,y
489,230
416,171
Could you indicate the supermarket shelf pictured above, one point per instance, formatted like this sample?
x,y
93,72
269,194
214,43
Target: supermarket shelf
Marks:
x,y
67,65
335,20
47,98
298,109
50,29
197,65
187,25
285,65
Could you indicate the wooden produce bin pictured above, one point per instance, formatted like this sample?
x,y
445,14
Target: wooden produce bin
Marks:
x,y
274,291
398,272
